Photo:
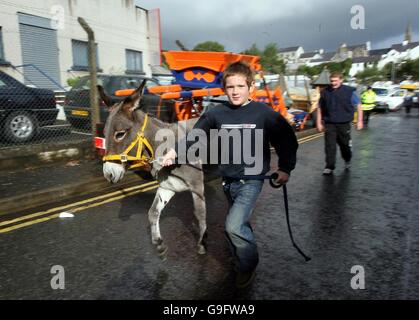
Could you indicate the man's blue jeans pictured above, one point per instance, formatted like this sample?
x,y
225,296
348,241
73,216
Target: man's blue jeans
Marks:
x,y
242,196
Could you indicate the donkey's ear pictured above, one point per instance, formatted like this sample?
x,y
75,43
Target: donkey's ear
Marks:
x,y
132,102
104,96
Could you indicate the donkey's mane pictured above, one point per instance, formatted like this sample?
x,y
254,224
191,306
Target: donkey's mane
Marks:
x,y
158,122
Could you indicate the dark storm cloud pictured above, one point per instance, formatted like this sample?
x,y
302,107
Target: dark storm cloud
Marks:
x,y
237,24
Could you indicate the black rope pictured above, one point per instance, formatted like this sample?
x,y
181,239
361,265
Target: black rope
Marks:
x,y
272,179
287,214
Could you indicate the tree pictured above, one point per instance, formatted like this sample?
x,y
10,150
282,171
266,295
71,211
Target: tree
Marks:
x,y
409,69
270,60
209,46
343,66
370,75
253,51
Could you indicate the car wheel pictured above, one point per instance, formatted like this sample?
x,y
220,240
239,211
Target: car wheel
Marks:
x,y
20,127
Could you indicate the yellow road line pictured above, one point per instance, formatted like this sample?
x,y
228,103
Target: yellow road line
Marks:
x,y
54,216
312,137
34,215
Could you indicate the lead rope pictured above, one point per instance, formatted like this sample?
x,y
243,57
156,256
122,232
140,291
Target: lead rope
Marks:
x,y
272,178
287,214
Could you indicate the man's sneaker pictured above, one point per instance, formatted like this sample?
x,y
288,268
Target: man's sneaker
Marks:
x,y
327,172
347,165
244,279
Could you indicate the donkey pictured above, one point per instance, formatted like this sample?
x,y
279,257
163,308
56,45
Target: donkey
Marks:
x,y
126,122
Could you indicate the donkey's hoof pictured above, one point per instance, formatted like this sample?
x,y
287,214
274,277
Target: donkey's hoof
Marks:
x,y
162,250
201,249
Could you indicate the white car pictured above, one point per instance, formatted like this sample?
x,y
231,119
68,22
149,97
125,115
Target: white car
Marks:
x,y
389,99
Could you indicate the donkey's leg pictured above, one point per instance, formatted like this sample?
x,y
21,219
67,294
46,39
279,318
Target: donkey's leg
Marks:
x,y
201,215
160,200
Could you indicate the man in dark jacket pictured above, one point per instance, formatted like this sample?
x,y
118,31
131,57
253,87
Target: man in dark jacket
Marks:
x,y
257,126
334,116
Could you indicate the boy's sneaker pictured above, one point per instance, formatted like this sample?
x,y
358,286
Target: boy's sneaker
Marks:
x,y
347,165
244,279
327,172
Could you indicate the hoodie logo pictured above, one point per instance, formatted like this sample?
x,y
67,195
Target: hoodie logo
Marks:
x,y
239,126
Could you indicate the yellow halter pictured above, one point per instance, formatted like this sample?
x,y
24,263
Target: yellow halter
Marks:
x,y
139,159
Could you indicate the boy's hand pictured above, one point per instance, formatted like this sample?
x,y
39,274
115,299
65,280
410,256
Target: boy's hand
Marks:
x,y
283,177
169,158
360,125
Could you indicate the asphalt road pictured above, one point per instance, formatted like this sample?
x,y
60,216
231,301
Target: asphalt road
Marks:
x,y
366,217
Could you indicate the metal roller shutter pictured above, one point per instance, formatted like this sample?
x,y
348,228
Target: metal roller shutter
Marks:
x,y
40,49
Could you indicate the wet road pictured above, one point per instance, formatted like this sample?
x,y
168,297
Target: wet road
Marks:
x,y
366,217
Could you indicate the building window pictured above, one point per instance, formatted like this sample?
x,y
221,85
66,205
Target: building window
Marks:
x,y
81,57
134,61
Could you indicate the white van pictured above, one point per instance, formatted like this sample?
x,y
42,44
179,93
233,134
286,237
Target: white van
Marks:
x,y
389,98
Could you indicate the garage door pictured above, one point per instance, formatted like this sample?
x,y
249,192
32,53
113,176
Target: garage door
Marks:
x,y
39,51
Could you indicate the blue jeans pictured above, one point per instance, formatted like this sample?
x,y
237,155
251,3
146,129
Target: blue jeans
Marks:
x,y
242,196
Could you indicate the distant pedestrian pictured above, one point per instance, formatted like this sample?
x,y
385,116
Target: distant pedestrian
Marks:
x,y
368,98
334,116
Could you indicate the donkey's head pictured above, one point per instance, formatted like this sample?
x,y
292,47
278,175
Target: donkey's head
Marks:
x,y
121,129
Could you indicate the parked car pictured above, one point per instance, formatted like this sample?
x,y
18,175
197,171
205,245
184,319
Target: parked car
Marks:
x,y
77,101
23,109
389,99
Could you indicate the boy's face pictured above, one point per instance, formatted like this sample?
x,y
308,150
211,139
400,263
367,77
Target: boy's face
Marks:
x,y
237,90
336,82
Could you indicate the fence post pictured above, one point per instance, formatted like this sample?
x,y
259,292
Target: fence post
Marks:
x,y
94,107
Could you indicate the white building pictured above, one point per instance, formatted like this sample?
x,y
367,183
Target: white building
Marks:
x,y
45,36
359,64
408,50
392,56
308,56
290,54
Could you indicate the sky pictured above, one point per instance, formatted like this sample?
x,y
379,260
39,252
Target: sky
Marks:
x,y
319,24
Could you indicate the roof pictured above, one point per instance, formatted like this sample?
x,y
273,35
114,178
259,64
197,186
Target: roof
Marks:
x,y
323,79
366,59
400,47
290,49
327,56
379,52
308,55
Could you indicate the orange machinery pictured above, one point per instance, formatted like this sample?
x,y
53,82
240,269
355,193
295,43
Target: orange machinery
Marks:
x,y
198,76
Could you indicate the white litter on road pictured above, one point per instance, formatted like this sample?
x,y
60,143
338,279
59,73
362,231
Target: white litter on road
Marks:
x,y
66,215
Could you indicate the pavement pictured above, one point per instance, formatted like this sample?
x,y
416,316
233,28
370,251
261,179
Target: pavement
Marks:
x,y
33,187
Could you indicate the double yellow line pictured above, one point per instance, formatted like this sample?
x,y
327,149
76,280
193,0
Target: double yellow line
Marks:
x,y
310,138
42,216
